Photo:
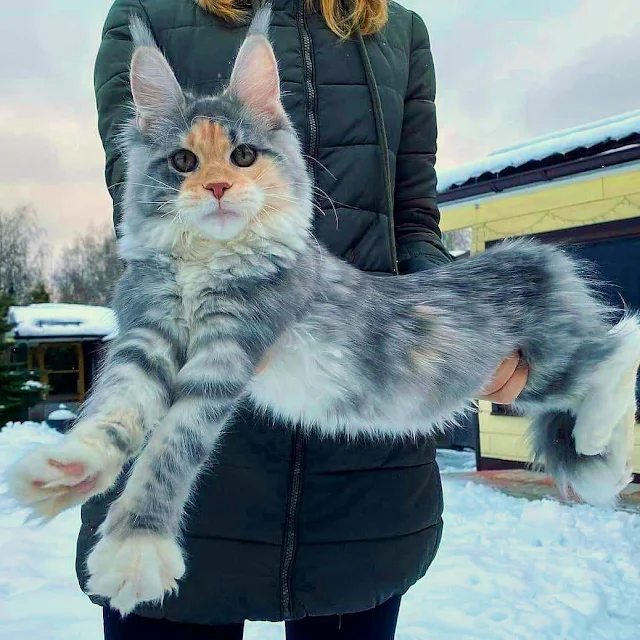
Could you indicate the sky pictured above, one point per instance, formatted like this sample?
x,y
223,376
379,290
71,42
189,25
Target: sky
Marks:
x,y
508,71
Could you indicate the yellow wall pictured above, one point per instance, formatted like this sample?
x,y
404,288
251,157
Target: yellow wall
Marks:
x,y
604,197
594,198
503,437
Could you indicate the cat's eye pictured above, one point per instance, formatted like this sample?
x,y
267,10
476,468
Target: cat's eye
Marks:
x,y
184,161
243,155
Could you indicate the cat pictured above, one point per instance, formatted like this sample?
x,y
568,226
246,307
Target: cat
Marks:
x,y
228,296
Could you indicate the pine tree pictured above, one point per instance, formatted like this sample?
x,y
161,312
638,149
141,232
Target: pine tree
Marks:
x,y
39,294
19,389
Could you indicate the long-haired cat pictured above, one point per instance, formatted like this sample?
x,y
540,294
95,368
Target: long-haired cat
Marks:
x,y
227,296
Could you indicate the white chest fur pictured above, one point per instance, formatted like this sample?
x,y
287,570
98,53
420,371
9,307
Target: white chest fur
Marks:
x,y
192,279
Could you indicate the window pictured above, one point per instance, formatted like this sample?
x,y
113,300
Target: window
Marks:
x,y
62,365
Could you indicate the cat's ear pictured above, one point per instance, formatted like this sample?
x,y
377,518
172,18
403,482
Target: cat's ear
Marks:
x,y
155,89
255,80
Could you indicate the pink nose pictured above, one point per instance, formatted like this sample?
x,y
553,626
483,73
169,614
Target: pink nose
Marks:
x,y
217,188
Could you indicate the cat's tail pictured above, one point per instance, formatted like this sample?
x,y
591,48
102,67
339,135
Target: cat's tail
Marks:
x,y
589,449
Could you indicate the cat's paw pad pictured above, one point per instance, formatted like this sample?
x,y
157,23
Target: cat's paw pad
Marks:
x,y
142,567
50,479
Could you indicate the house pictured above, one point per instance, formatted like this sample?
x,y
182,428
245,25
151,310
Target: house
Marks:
x,y
64,344
579,187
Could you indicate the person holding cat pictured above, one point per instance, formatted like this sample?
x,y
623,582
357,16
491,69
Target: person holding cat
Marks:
x,y
325,535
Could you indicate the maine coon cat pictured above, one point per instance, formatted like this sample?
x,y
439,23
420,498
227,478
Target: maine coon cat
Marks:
x,y
227,297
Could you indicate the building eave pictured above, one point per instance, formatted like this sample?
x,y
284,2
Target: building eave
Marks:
x,y
608,156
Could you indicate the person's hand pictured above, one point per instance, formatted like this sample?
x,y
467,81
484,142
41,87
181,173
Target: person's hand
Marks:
x,y
508,381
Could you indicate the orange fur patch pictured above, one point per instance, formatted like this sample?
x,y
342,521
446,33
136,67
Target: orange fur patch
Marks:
x,y
425,358
211,143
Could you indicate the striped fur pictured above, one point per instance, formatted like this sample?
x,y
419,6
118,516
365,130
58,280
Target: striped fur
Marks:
x,y
231,299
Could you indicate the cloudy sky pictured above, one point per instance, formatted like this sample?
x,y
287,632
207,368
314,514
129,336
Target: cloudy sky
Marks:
x,y
508,70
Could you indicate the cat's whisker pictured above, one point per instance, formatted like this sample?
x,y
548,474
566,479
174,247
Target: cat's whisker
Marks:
x,y
313,204
304,155
139,184
305,184
164,184
320,251
168,213
262,175
179,107
237,125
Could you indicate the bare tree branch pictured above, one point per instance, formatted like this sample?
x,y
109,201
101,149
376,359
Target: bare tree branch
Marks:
x,y
458,240
23,252
88,269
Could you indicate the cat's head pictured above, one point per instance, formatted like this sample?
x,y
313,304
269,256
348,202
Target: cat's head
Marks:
x,y
215,172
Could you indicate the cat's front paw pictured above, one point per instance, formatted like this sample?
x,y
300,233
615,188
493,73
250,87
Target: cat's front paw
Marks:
x,y
50,479
141,567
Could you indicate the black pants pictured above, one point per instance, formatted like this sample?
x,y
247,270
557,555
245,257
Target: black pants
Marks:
x,y
375,624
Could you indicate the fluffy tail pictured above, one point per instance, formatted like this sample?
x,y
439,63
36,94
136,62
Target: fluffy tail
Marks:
x,y
589,449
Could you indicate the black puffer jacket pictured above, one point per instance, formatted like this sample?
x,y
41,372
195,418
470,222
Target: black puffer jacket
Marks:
x,y
287,526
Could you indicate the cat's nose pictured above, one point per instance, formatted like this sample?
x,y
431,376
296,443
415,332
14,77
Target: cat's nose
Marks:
x,y
217,188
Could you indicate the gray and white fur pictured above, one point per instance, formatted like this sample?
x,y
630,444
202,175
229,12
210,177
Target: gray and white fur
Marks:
x,y
228,300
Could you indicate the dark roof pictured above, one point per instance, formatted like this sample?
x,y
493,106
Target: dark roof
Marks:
x,y
602,144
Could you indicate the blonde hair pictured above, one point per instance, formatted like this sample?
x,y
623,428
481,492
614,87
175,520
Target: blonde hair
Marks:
x,y
367,15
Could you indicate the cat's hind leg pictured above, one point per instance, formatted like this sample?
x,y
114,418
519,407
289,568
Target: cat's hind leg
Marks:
x,y
612,393
589,448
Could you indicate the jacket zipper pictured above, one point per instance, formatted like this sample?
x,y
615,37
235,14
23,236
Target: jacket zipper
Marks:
x,y
290,525
295,488
309,86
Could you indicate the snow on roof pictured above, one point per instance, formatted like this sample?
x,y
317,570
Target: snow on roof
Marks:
x,y
61,320
561,142
62,413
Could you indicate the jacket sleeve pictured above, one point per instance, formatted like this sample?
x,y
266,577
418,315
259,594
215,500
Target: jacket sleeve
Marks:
x,y
112,91
418,237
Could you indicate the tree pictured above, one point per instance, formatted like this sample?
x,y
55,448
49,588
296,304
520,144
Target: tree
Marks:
x,y
458,240
88,269
22,252
39,294
19,388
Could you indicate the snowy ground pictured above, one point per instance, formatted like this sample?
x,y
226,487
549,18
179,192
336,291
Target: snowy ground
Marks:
x,y
507,569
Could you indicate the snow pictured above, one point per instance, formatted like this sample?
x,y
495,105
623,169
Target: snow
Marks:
x,y
451,461
507,569
585,136
62,413
34,384
62,320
